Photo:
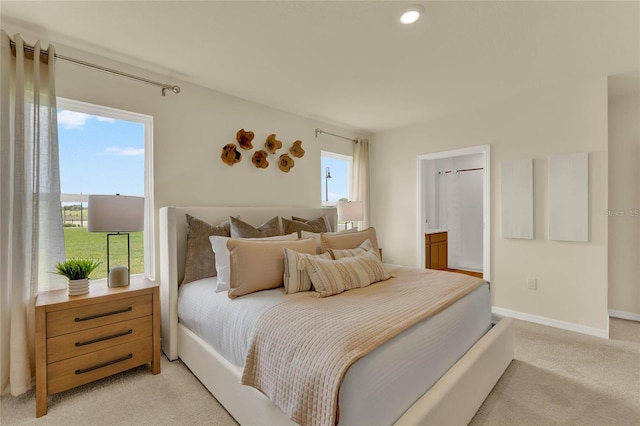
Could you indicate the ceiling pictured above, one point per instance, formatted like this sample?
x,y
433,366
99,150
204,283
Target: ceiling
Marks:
x,y
350,63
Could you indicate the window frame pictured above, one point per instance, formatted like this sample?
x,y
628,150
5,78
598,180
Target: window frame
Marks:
x,y
336,156
147,122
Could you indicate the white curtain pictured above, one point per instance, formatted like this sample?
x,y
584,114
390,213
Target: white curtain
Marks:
x,y
31,231
360,179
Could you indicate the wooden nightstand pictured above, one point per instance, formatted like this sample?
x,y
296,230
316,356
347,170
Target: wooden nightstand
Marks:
x,y
84,338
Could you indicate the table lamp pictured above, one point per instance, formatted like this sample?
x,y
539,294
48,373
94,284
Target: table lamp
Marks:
x,y
350,211
116,215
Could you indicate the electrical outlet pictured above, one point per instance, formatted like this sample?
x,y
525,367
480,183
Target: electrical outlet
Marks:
x,y
532,283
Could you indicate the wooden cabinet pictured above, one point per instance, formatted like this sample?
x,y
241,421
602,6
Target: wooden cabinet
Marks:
x,y
84,338
435,250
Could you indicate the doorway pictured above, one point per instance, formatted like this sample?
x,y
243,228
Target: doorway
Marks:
x,y
453,196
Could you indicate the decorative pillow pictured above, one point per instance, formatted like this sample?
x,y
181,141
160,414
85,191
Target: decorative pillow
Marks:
x,y
337,254
331,277
296,279
240,229
323,218
259,265
316,225
349,240
316,236
219,246
201,260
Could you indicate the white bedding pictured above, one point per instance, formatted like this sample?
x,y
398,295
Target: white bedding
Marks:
x,y
377,388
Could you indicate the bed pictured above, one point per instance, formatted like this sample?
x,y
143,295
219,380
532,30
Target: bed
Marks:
x,y
454,397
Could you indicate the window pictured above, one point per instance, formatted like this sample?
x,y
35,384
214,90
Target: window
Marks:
x,y
335,177
104,151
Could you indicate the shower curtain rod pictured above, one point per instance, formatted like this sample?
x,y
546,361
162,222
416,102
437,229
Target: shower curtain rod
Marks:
x,y
320,132
462,170
175,89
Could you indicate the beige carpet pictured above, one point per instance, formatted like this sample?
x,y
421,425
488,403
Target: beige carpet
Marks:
x,y
558,378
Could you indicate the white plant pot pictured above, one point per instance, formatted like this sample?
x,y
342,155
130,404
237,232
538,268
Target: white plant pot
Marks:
x,y
78,287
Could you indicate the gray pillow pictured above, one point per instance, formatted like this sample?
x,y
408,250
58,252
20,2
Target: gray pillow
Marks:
x,y
240,229
298,225
201,260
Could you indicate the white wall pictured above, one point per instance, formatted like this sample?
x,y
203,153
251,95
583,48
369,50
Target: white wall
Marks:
x,y
190,130
571,117
624,204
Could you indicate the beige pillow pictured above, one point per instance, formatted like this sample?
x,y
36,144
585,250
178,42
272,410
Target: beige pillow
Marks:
x,y
240,229
259,265
316,236
337,254
201,260
296,279
331,277
316,225
349,240
219,246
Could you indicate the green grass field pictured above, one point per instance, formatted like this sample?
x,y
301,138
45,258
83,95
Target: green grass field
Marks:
x,y
93,245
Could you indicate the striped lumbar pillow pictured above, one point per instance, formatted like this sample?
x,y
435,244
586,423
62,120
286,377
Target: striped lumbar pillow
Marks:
x,y
337,254
331,277
296,278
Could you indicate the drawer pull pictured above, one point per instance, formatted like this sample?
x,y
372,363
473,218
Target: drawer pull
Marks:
x,y
100,339
106,314
95,367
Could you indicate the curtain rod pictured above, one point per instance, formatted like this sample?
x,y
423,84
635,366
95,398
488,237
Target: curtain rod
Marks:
x,y
165,87
320,132
462,170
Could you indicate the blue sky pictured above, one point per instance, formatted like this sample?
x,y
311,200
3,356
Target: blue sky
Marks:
x,y
338,183
100,155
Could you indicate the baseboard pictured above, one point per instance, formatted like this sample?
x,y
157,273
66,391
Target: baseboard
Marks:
x,y
624,315
552,322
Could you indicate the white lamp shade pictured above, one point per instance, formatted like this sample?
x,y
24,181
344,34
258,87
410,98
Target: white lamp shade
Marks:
x,y
115,213
350,211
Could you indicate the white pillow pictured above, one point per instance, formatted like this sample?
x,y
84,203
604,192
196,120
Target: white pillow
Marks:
x,y
223,266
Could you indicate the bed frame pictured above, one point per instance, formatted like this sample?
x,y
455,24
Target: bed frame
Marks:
x,y
453,399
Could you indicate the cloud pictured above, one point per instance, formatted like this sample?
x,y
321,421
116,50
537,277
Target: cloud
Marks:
x,y
72,119
129,151
106,119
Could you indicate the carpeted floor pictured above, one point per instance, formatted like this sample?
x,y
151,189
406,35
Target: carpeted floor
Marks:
x,y
558,378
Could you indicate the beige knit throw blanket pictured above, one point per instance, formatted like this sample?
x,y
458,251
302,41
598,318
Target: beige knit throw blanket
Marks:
x,y
302,348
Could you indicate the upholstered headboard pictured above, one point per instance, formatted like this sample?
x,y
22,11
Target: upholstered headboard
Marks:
x,y
173,246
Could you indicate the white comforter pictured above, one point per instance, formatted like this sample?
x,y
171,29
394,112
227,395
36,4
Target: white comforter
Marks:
x,y
379,387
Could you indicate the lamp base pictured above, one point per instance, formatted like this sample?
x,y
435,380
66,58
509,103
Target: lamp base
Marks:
x,y
118,276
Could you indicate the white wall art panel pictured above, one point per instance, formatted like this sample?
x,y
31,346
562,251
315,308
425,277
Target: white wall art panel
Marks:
x,y
569,197
516,192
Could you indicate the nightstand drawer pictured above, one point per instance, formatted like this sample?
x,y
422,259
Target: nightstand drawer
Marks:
x,y
83,369
94,339
96,315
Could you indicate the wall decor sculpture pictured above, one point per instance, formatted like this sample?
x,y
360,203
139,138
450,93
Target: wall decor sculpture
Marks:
x,y
272,144
285,163
230,154
296,149
244,139
259,159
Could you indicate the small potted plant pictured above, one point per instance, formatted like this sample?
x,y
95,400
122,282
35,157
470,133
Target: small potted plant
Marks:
x,y
77,272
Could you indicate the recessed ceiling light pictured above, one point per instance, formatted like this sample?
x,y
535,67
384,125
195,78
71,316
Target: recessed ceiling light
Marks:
x,y
412,14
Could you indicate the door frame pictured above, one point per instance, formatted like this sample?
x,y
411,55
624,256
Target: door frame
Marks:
x,y
486,237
